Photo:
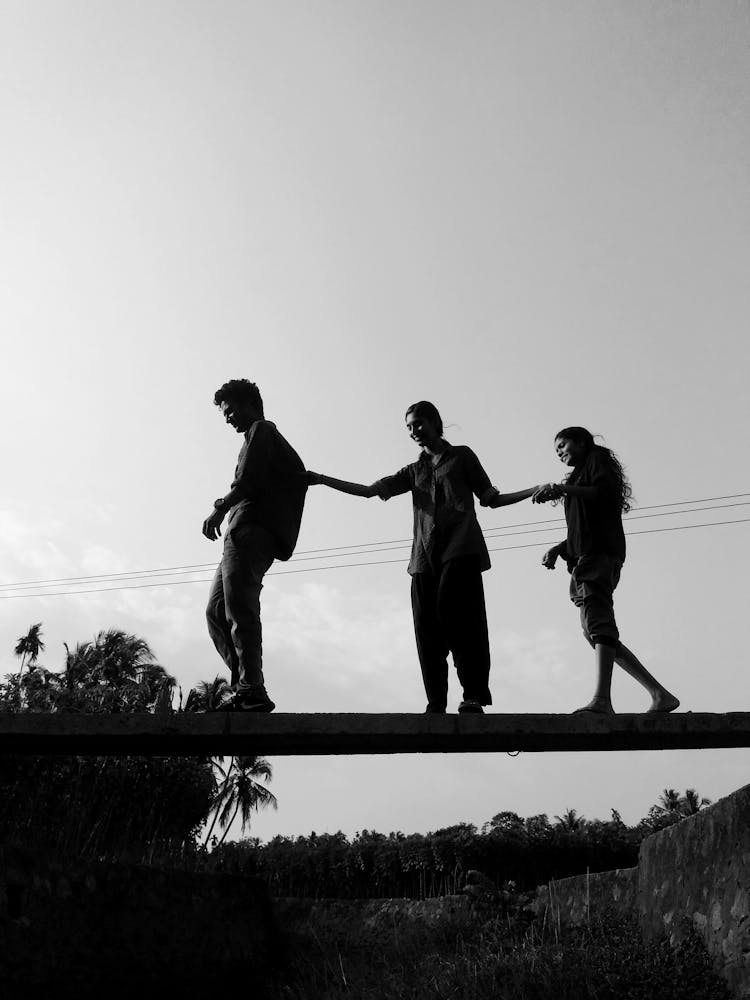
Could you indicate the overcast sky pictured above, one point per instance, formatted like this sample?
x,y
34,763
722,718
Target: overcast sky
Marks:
x,y
533,214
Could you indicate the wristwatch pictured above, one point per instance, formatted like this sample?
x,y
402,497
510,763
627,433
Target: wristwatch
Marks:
x,y
219,504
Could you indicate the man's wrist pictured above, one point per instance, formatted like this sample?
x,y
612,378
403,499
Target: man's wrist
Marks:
x,y
220,504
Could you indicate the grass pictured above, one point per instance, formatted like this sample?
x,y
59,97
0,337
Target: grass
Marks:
x,y
332,955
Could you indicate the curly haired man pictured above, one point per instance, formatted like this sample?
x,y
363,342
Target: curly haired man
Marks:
x,y
264,511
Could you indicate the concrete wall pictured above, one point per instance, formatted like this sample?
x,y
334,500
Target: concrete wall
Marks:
x,y
374,914
106,930
576,900
693,874
698,873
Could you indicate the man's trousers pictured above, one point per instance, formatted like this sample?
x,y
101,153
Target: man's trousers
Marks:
x,y
233,611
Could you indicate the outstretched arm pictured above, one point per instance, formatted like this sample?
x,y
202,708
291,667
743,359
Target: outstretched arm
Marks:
x,y
353,489
497,499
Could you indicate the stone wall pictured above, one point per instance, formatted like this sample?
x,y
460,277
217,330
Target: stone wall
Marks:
x,y
576,900
374,914
695,874
106,929
698,873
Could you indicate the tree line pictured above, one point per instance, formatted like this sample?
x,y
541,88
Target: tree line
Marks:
x,y
177,809
512,851
141,808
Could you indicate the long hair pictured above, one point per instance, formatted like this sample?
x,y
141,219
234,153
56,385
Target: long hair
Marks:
x,y
428,410
579,435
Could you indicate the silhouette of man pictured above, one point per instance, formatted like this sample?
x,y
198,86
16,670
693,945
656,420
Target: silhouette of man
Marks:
x,y
264,507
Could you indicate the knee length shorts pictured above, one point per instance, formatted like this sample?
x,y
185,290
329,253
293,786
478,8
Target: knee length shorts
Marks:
x,y
592,584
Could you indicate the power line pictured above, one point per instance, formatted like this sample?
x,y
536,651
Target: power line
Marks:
x,y
365,548
314,569
628,517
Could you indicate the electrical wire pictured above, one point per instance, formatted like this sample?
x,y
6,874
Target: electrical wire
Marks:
x,y
366,548
379,562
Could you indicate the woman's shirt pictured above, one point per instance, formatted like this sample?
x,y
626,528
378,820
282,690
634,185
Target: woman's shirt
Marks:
x,y
595,525
445,522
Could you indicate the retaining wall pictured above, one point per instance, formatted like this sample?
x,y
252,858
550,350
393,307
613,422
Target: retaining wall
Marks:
x,y
693,874
575,900
697,873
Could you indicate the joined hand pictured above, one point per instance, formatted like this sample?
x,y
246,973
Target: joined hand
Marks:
x,y
550,491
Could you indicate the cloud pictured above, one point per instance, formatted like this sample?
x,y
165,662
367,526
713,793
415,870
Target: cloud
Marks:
x,y
535,672
351,622
169,618
342,650
98,559
169,615
28,551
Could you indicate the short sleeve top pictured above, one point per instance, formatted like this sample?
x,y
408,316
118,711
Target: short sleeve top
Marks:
x,y
445,521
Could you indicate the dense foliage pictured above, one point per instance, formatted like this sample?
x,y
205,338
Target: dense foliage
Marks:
x,y
334,954
140,808
528,852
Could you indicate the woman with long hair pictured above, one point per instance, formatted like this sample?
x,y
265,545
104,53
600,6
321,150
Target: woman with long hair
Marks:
x,y
596,494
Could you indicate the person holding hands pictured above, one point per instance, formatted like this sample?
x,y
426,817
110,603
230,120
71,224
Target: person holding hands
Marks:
x,y
596,493
448,556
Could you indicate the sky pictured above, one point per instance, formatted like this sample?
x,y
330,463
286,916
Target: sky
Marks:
x,y
533,214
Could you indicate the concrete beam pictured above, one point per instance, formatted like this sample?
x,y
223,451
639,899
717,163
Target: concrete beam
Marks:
x,y
223,733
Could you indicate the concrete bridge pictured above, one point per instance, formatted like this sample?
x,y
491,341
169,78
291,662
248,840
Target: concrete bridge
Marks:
x,y
224,733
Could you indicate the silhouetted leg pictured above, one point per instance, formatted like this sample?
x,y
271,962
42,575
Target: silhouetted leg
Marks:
x,y
662,700
593,594
461,609
602,700
219,628
248,554
432,647
592,584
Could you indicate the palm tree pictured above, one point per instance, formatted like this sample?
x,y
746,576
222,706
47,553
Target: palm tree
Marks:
x,y
691,802
121,670
241,792
155,687
207,696
114,657
669,800
30,645
570,820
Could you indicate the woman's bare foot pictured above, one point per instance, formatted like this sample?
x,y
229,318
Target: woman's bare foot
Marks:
x,y
601,706
663,701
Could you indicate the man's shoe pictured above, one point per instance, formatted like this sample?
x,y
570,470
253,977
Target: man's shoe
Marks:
x,y
470,705
244,701
434,710
248,703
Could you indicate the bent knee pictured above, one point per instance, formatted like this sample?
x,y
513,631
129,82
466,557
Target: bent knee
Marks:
x,y
215,610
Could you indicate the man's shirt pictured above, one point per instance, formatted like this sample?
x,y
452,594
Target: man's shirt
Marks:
x,y
595,525
270,476
445,522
